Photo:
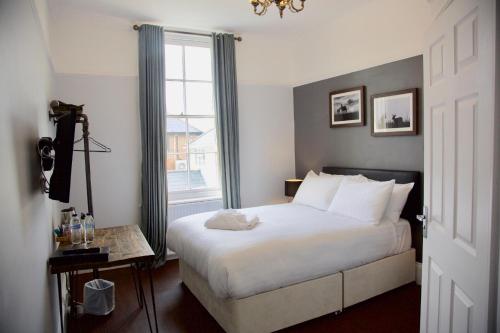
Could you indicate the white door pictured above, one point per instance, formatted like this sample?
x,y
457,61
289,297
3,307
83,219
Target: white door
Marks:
x,y
459,134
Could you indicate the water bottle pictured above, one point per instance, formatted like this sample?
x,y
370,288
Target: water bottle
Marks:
x,y
89,228
84,231
76,230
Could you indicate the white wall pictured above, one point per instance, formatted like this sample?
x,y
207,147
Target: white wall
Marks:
x,y
111,102
267,154
84,42
88,43
27,290
264,60
43,19
377,32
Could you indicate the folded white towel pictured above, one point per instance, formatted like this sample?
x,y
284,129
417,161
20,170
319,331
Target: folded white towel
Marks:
x,y
231,219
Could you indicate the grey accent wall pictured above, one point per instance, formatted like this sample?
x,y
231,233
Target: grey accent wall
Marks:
x,y
318,145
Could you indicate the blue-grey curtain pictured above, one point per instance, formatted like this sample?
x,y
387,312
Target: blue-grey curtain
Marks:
x,y
152,114
226,107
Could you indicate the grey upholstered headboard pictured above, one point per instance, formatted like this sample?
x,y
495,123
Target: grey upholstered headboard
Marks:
x,y
413,204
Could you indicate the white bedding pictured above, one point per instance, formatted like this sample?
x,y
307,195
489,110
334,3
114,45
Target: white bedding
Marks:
x,y
293,243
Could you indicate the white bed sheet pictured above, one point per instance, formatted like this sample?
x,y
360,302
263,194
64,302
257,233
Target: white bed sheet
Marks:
x,y
292,244
403,234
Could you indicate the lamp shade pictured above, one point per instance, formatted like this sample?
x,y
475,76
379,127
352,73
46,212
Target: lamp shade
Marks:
x,y
291,186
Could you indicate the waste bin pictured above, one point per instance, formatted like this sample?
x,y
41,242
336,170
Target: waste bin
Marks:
x,y
99,297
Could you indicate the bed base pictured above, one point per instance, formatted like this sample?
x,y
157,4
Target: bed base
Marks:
x,y
284,307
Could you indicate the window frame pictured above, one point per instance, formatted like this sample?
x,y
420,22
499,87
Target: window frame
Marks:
x,y
202,194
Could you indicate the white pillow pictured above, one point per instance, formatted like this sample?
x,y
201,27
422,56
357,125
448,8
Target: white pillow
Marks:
x,y
353,177
364,201
311,173
316,191
397,202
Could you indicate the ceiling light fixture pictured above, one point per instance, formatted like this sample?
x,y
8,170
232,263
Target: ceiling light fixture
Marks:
x,y
260,6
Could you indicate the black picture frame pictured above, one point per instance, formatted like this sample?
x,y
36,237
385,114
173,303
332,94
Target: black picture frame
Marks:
x,y
356,97
402,120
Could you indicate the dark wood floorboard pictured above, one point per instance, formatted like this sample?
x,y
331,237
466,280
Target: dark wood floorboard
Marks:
x,y
179,311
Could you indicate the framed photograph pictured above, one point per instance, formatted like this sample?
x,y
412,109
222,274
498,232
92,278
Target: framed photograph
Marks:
x,y
347,107
394,113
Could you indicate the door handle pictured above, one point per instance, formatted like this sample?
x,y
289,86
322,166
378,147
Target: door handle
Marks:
x,y
423,218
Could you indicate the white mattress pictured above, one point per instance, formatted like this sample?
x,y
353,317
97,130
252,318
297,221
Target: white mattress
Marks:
x,y
294,243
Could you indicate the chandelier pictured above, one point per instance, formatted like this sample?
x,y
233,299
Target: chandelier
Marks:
x,y
260,6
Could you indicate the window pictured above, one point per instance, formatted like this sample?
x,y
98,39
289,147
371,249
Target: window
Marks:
x,y
192,156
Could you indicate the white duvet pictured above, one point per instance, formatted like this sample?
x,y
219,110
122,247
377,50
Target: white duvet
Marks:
x,y
293,243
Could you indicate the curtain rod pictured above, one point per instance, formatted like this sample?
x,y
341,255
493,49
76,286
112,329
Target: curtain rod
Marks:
x,y
136,27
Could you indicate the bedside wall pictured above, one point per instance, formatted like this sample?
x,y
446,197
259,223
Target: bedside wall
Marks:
x,y
318,145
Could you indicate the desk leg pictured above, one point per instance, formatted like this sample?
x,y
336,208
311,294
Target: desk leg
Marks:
x,y
153,295
136,287
59,292
143,297
71,295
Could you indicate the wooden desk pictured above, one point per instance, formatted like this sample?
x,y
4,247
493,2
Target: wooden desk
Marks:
x,y
128,246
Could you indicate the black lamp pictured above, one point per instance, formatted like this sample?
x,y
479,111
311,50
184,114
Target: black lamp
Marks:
x,y
291,186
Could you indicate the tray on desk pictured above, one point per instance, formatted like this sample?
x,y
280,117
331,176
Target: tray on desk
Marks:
x,y
79,254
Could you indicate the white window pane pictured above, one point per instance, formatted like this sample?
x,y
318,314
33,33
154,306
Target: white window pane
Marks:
x,y
204,171
198,63
199,98
206,140
174,95
173,61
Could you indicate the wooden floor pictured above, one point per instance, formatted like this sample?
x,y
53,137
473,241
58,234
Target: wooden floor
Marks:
x,y
179,311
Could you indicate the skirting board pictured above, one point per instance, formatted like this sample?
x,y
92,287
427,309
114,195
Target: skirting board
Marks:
x,y
284,307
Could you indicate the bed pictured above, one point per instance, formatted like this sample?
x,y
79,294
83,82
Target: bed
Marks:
x,y
297,264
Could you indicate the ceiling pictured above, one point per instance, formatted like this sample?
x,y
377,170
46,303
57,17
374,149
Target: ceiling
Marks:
x,y
217,15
